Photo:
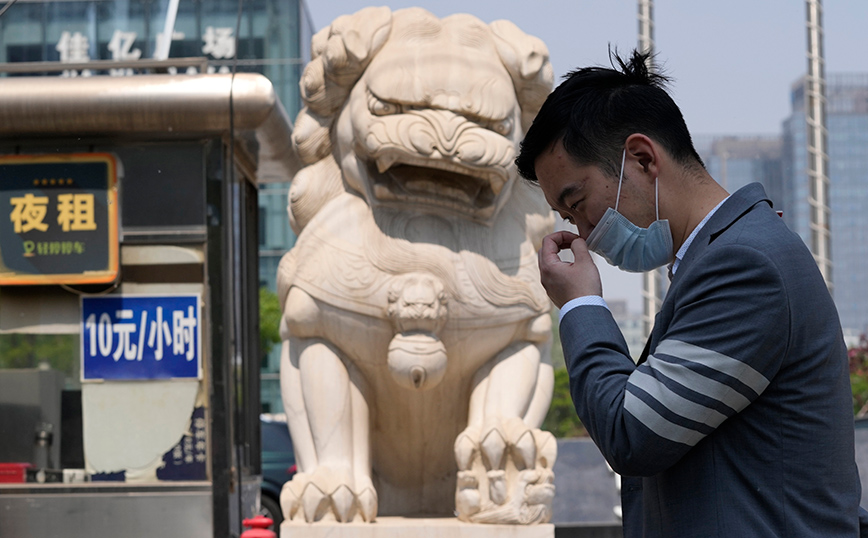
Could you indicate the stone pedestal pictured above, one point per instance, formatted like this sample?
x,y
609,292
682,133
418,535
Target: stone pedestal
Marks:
x,y
403,527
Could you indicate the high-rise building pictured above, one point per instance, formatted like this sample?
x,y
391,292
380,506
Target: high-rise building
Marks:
x,y
735,161
847,124
275,238
630,324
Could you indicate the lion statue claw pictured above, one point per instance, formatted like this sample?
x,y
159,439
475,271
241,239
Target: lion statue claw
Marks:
x,y
493,453
415,367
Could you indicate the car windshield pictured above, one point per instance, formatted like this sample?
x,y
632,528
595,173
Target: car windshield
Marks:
x,y
275,437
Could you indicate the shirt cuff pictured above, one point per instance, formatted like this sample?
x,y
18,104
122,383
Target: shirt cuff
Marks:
x,y
587,300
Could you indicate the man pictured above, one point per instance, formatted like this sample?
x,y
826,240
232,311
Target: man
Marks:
x,y
738,420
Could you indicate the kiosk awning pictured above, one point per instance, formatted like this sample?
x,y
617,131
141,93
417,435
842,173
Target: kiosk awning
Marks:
x,y
156,106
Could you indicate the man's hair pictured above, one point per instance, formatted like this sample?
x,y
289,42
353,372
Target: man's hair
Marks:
x,y
595,109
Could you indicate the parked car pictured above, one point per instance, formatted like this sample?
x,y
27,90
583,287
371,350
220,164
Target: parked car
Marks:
x,y
278,464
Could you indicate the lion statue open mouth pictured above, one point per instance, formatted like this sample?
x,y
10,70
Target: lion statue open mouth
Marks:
x,y
415,371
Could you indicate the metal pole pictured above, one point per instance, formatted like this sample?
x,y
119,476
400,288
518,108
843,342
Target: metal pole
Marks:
x,y
650,281
165,40
817,139
646,25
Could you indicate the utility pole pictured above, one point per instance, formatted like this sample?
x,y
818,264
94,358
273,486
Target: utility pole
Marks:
x,y
651,281
817,139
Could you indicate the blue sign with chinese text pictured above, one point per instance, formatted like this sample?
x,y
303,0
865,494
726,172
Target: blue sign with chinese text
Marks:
x,y
141,337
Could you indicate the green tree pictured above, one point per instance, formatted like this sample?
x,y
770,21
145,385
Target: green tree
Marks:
x,y
859,376
561,419
58,351
269,320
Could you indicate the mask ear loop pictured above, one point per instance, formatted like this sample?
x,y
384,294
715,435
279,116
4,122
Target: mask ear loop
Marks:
x,y
621,178
656,199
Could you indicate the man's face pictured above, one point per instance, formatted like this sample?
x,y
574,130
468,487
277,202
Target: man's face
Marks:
x,y
581,194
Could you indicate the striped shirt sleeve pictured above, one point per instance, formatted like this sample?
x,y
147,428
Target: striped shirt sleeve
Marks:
x,y
663,393
722,344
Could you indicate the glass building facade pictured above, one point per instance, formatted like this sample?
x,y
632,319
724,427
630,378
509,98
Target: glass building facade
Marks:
x,y
847,124
735,161
273,36
275,238
780,163
270,37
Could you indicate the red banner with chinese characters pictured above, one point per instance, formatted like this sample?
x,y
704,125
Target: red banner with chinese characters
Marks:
x,y
58,219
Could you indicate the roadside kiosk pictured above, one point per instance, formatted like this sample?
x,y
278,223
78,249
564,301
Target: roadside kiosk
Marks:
x,y
129,340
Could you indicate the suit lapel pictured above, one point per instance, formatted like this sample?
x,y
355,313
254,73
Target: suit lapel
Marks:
x,y
738,204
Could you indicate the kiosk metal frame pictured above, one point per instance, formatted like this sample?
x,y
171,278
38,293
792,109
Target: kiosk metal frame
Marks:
x,y
234,130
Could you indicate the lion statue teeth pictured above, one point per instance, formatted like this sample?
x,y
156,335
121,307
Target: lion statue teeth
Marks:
x,y
415,368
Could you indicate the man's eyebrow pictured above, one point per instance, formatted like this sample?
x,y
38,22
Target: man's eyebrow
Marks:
x,y
567,191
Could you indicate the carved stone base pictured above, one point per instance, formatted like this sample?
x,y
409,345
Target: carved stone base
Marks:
x,y
402,527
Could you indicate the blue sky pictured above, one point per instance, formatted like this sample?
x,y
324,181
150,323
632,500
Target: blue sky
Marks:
x,y
733,62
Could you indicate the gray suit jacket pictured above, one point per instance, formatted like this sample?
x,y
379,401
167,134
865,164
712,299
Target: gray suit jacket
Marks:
x,y
740,421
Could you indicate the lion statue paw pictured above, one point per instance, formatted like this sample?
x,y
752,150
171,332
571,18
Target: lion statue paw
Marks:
x,y
505,473
328,495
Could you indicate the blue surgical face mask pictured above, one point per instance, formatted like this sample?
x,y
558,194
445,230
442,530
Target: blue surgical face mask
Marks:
x,y
627,246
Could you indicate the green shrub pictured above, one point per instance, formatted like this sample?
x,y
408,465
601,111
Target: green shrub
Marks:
x,y
859,376
562,419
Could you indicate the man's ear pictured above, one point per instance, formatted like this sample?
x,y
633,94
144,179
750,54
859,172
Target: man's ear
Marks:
x,y
643,156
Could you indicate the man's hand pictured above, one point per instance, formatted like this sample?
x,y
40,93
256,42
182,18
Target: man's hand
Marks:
x,y
565,281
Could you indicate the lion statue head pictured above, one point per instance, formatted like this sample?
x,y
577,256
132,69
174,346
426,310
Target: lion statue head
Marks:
x,y
404,108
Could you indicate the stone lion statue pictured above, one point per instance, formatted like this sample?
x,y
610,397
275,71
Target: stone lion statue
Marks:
x,y
416,370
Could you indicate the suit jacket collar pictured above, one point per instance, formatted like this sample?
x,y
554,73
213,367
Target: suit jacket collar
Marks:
x,y
732,209
737,205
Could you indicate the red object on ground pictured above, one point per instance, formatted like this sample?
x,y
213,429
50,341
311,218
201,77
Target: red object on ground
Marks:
x,y
13,473
259,528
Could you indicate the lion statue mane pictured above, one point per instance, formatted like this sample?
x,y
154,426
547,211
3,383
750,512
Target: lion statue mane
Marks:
x,y
415,369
